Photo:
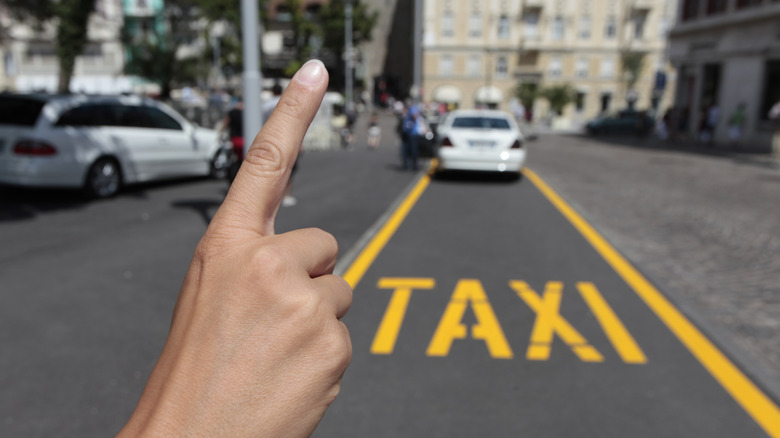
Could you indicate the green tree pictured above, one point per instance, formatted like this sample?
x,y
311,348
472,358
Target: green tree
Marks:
x,y
558,96
527,92
153,52
632,63
70,18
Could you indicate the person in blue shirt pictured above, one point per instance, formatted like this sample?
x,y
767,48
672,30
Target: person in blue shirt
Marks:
x,y
413,128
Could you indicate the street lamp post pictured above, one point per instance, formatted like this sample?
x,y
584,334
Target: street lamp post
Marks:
x,y
252,77
417,46
348,55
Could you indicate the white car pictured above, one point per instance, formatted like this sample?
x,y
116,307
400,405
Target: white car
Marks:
x,y
480,140
99,143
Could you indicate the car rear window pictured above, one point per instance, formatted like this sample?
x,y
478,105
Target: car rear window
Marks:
x,y
19,111
480,123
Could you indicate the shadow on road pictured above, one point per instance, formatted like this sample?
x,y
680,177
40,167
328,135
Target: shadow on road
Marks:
x,y
464,177
22,203
18,204
206,208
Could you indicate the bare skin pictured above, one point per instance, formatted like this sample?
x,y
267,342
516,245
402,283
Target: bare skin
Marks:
x,y
256,346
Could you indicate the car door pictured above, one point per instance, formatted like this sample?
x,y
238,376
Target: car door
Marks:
x,y
180,153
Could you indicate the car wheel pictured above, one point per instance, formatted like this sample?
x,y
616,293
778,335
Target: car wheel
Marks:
x,y
103,179
220,164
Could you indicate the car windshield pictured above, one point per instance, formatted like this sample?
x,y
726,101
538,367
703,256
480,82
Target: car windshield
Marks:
x,y
480,122
19,111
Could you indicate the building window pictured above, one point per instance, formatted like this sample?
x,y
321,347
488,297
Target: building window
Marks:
x,y
610,30
584,27
557,28
475,25
446,65
531,26
447,24
581,70
503,27
716,6
606,101
474,66
555,67
579,101
639,26
501,67
607,68
747,3
690,9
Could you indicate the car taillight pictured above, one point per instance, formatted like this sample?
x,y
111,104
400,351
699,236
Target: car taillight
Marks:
x,y
517,145
34,147
446,142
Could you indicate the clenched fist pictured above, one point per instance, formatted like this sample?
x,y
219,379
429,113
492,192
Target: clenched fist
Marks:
x,y
256,346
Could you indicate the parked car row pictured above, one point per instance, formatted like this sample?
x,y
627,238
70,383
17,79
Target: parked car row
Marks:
x,y
100,143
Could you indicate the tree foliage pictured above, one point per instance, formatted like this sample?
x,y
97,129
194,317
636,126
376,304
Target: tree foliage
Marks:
x,y
70,18
558,96
632,63
527,92
153,44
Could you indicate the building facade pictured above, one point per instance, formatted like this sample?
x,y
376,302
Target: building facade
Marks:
x,y
30,62
476,52
727,54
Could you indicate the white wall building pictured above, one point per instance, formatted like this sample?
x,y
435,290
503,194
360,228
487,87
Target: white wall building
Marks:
x,y
30,62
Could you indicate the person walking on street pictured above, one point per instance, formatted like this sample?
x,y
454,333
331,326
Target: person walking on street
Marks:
x,y
413,128
374,131
736,122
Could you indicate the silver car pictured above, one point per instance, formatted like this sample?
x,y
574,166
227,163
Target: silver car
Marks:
x,y
99,143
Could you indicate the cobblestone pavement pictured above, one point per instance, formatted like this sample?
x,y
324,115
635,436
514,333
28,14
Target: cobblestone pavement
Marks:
x,y
703,225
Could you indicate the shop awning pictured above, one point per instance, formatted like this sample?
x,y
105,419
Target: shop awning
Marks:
x,y
489,94
447,94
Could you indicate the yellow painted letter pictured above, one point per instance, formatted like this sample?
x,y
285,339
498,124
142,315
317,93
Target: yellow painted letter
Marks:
x,y
549,322
617,333
386,335
487,328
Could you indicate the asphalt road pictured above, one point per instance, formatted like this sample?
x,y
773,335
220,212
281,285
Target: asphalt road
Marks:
x,y
480,308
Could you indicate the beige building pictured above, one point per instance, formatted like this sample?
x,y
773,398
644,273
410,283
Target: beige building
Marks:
x,y
29,62
476,52
727,53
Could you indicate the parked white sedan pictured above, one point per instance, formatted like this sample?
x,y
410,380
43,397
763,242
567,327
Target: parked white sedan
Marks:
x,y
99,143
480,140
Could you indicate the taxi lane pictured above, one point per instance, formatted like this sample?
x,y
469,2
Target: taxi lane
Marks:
x,y
487,307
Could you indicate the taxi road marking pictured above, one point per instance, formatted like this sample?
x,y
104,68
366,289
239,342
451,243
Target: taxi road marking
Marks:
x,y
549,322
757,404
387,334
469,292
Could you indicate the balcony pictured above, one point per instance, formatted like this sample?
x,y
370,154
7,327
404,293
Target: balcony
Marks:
x,y
533,4
641,5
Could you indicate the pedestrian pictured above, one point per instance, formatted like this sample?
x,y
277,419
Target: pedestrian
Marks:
x,y
708,123
233,123
374,131
736,122
414,127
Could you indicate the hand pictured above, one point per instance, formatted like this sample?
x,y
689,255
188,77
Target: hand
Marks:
x,y
256,346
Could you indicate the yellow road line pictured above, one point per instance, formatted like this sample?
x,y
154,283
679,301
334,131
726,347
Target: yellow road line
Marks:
x,y
757,404
362,262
